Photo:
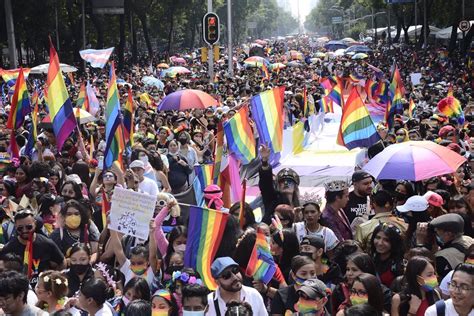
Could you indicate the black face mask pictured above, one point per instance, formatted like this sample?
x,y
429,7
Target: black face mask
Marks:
x,y
307,254
79,269
172,269
183,141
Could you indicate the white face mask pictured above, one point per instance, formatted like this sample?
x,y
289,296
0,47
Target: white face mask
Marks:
x,y
193,313
181,247
144,159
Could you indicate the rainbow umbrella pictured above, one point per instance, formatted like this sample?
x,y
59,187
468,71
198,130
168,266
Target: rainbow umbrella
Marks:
x,y
256,61
277,66
187,99
451,107
414,161
173,71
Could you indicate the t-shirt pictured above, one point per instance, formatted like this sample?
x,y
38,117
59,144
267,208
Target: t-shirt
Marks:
x,y
33,311
356,207
148,186
64,240
284,300
330,239
449,310
125,269
44,250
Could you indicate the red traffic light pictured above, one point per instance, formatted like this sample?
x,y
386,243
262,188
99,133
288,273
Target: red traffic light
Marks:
x,y
212,21
210,32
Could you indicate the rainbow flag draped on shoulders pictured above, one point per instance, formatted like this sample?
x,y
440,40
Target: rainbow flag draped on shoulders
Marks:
x,y
239,135
205,230
357,128
267,113
114,142
261,265
57,99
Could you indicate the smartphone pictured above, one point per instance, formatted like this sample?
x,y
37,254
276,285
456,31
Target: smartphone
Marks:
x,y
100,162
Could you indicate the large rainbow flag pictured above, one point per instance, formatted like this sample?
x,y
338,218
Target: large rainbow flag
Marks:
x,y
20,106
261,265
239,135
357,128
114,142
267,113
10,76
205,231
57,99
326,105
336,93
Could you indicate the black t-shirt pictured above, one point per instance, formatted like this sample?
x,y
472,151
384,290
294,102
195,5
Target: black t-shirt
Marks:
x,y
357,206
285,299
44,250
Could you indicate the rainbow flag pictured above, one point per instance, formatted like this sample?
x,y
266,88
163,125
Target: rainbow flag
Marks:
x,y
451,107
204,174
205,231
34,125
267,113
411,108
128,119
82,100
10,76
105,209
336,93
57,99
20,106
219,150
114,142
239,135
298,137
370,89
381,93
261,265
326,104
326,85
396,92
357,128
265,72
28,257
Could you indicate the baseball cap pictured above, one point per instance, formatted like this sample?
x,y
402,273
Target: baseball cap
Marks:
x,y
360,175
220,264
314,289
433,198
315,241
137,164
416,203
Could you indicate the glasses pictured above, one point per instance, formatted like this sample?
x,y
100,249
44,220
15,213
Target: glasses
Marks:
x,y
26,227
358,292
228,274
461,288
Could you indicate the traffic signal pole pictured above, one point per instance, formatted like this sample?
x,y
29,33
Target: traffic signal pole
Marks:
x,y
210,54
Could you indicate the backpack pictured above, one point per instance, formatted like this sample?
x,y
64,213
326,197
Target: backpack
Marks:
x,y
440,308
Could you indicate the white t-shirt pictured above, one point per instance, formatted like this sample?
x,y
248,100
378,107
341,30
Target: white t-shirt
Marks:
x,y
125,269
104,311
330,239
247,294
449,311
148,186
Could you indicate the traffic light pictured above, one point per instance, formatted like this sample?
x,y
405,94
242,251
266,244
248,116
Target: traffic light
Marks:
x,y
210,28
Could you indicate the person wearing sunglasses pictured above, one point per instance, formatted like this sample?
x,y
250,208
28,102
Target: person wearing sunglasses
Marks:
x,y
45,252
227,274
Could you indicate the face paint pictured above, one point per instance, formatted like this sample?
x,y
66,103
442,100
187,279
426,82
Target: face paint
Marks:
x,y
357,299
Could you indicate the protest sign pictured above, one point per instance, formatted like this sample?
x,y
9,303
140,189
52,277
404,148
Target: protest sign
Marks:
x,y
131,212
415,78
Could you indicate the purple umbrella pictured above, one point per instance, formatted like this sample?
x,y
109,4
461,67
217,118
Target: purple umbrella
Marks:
x,y
414,160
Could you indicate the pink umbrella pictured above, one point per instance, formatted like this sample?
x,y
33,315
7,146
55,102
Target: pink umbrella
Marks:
x,y
261,42
178,60
414,160
187,99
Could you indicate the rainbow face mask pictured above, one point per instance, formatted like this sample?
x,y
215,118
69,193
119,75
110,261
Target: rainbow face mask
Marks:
x,y
430,283
299,281
305,306
159,312
359,299
138,269
469,261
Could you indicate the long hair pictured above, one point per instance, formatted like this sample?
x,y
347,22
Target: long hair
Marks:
x,y
290,245
373,288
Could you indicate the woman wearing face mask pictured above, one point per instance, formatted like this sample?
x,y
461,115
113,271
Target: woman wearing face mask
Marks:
x,y
77,228
80,269
284,249
420,289
302,269
312,298
163,303
71,190
366,289
403,191
402,135
142,262
135,289
51,289
179,170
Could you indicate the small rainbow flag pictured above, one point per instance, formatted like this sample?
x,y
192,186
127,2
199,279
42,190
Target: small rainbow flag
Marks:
x,y
336,93
396,92
82,100
261,265
205,231
326,104
10,76
411,108
451,107
57,99
204,174
28,257
34,125
267,113
128,119
357,128
114,142
265,72
20,106
326,85
239,135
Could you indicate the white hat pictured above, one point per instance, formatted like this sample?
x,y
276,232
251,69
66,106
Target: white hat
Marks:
x,y
414,203
137,164
74,177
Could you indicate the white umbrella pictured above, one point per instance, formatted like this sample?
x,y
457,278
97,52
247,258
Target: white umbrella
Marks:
x,y
43,69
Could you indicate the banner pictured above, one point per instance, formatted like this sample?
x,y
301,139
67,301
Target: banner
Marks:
x,y
131,212
97,57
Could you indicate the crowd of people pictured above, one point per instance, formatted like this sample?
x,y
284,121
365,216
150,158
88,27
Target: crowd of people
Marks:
x,y
366,247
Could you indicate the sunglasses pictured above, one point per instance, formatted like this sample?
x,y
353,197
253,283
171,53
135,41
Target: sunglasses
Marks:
x,y
228,274
108,175
25,228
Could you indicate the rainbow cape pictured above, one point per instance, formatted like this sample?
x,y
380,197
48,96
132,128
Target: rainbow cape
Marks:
x,y
239,135
267,113
205,231
114,143
20,106
357,128
451,107
57,99
261,265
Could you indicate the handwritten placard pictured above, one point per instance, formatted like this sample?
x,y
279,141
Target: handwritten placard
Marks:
x,y
131,212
